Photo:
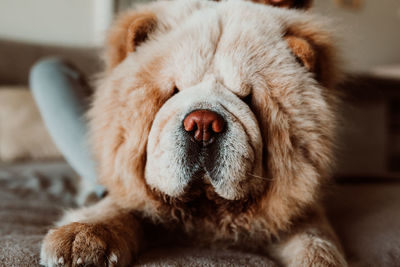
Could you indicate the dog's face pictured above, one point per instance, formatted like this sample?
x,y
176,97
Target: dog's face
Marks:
x,y
204,132
231,94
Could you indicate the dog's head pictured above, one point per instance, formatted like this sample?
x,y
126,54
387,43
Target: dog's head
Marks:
x,y
233,94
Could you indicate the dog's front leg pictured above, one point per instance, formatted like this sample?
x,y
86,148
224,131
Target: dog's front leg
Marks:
x,y
100,235
312,243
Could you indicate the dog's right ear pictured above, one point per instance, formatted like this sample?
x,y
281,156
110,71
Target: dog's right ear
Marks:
x,y
127,33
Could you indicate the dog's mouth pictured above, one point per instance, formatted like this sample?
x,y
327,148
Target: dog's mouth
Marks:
x,y
212,166
204,157
200,196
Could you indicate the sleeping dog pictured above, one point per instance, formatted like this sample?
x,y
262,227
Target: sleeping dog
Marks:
x,y
214,121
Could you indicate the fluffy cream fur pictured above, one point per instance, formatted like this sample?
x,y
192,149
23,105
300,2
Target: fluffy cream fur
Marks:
x,y
269,72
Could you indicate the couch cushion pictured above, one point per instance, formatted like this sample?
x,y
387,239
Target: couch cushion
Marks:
x,y
22,131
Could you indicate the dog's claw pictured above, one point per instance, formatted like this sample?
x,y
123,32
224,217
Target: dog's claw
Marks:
x,y
113,259
61,260
79,261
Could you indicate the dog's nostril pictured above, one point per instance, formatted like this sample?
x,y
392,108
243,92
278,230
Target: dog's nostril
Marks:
x,y
204,124
189,124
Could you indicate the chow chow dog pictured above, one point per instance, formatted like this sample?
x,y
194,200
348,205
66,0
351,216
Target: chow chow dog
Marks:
x,y
214,121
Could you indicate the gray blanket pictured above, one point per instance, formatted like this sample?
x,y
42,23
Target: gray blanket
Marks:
x,y
32,196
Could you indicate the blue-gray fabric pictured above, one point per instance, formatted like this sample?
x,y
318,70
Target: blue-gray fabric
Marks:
x,y
62,98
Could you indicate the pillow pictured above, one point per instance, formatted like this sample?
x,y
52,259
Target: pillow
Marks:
x,y
22,132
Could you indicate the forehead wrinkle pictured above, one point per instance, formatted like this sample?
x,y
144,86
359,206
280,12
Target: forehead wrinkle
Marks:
x,y
248,52
221,33
244,87
203,44
241,84
211,70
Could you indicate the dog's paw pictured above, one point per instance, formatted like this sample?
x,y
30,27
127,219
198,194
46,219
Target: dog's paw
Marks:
x,y
320,253
80,244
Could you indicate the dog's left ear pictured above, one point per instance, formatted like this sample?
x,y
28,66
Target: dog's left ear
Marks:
x,y
305,4
314,50
303,50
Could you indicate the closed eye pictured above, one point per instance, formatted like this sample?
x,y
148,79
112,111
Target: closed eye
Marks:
x,y
175,91
248,99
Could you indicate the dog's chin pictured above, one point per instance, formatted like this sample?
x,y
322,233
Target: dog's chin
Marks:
x,y
200,188
207,182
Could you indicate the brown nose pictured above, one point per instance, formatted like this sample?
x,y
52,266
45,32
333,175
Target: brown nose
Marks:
x,y
204,124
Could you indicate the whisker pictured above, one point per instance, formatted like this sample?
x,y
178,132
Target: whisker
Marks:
x,y
260,177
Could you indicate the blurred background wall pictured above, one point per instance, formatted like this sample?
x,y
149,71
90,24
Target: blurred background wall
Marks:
x,y
369,29
56,22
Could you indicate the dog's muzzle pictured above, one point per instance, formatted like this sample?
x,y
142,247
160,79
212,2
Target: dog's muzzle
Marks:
x,y
204,132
